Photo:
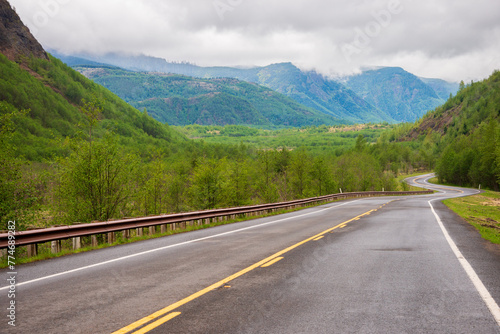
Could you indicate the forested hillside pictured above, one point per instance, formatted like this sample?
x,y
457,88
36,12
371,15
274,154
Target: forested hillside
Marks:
x,y
53,95
466,135
402,95
181,100
305,87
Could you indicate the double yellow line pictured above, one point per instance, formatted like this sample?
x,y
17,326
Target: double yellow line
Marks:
x,y
165,314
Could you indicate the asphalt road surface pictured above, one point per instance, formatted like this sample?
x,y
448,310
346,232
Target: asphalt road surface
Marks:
x,y
375,265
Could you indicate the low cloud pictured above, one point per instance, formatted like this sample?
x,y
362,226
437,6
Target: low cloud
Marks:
x,y
454,40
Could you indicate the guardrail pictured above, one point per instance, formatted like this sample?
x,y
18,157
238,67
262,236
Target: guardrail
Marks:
x,y
56,234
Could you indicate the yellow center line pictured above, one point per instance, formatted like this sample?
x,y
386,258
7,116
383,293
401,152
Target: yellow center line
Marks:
x,y
319,238
200,293
157,323
270,263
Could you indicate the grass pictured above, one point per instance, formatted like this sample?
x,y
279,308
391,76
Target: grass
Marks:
x,y
482,211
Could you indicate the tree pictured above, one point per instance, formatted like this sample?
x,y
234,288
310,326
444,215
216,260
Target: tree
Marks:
x,y
206,183
95,179
299,172
361,143
94,184
20,193
154,188
237,186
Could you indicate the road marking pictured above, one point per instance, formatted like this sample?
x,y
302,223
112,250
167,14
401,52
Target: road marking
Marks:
x,y
175,245
224,281
270,263
157,323
478,284
318,238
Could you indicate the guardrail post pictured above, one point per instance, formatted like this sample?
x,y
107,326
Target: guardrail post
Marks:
x,y
126,234
139,232
94,242
111,237
55,246
32,250
77,243
152,230
163,229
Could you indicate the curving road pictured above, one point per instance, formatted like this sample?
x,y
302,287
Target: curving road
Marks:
x,y
377,265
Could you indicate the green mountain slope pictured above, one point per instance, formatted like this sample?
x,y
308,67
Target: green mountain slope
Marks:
x,y
402,95
466,134
308,88
316,91
181,100
54,93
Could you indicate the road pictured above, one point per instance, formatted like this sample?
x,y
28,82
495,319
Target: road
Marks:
x,y
376,265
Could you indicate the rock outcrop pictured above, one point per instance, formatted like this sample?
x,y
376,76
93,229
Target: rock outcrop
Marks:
x,y
16,40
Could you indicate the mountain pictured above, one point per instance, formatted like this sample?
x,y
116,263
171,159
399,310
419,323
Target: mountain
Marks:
x,y
465,132
404,96
473,105
442,88
44,98
308,88
182,100
315,91
16,41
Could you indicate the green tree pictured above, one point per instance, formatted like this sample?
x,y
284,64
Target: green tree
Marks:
x,y
95,184
20,193
361,143
154,190
321,177
267,189
299,172
237,186
206,183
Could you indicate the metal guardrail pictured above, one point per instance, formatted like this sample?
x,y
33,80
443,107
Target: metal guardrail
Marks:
x,y
30,237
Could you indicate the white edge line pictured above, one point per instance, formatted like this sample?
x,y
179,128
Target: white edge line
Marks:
x,y
483,292
171,246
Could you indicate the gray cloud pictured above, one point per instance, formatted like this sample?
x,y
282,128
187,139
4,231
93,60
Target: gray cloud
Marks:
x,y
450,39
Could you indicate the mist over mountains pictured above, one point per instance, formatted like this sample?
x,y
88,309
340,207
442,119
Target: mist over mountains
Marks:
x,y
386,94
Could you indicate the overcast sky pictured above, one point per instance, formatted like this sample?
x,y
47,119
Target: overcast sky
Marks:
x,y
449,39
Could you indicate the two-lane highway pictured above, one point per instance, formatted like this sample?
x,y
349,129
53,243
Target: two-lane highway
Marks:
x,y
377,265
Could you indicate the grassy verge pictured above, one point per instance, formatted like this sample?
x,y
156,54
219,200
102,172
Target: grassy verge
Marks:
x,y
482,211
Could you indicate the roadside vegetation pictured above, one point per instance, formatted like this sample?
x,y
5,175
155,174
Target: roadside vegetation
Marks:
x,y
482,211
